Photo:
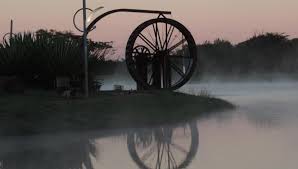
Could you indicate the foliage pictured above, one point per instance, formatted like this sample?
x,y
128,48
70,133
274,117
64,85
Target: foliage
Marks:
x,y
42,56
261,54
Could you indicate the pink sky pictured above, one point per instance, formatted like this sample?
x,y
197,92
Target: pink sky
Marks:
x,y
234,20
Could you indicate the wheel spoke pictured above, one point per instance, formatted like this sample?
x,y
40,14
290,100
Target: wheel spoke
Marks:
x,y
174,163
151,78
158,161
147,154
148,42
177,69
151,37
177,44
169,36
178,147
162,151
157,36
169,157
166,37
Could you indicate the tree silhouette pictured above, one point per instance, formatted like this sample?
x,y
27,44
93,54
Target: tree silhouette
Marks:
x,y
261,54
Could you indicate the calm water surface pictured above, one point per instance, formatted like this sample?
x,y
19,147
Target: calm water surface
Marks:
x,y
260,134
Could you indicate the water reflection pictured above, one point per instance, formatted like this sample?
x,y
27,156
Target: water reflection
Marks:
x,y
171,147
164,147
57,153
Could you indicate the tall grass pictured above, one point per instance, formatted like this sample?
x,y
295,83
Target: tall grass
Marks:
x,y
44,55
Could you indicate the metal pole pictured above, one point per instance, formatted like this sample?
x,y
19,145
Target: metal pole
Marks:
x,y
11,29
85,46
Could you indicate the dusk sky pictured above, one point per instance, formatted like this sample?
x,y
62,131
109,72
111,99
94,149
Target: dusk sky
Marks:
x,y
233,20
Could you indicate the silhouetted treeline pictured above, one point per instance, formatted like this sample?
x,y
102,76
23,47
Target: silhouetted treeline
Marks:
x,y
263,56
268,53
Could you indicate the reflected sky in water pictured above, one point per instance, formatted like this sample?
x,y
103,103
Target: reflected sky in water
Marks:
x,y
261,133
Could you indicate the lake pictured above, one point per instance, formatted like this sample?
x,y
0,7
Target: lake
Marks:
x,y
260,134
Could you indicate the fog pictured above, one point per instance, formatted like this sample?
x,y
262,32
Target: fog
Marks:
x,y
260,133
271,101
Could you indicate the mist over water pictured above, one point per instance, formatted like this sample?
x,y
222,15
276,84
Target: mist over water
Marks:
x,y
254,97
260,133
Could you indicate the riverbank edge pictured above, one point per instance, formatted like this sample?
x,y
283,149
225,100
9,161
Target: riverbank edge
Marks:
x,y
33,114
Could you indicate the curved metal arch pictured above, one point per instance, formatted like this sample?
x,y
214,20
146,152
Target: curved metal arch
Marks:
x,y
92,24
74,19
4,37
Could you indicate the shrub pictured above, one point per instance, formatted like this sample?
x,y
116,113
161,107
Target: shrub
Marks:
x,y
38,58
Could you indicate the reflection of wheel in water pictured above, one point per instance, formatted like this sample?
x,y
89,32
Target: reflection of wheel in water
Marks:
x,y
172,55
164,147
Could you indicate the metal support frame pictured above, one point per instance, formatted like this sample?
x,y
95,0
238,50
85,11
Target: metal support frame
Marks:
x,y
90,27
10,34
93,23
85,46
11,29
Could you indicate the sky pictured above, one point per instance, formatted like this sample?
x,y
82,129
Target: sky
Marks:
x,y
233,20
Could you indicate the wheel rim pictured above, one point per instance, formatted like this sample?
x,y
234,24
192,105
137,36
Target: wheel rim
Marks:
x,y
171,54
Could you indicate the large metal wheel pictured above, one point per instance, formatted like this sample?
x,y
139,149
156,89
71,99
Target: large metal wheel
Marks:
x,y
161,54
164,147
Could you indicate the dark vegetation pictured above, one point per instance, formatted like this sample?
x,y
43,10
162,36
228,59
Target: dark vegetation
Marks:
x,y
36,59
270,53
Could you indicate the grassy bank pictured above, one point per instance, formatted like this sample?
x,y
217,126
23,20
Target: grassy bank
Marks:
x,y
38,113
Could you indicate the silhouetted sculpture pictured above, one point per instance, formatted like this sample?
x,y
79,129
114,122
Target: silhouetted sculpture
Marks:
x,y
160,53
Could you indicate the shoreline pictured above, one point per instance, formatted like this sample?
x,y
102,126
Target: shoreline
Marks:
x,y
37,114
